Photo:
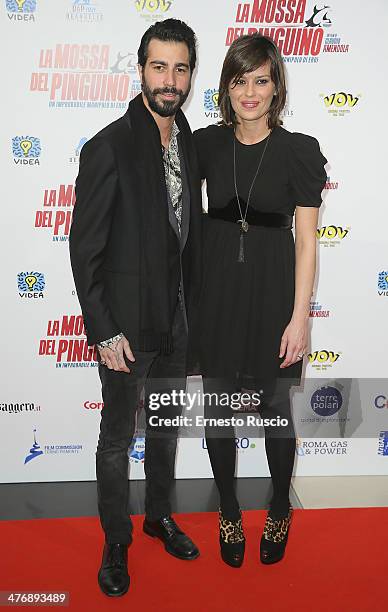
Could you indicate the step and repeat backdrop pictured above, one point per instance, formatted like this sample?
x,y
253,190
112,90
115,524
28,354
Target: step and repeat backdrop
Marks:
x,y
69,68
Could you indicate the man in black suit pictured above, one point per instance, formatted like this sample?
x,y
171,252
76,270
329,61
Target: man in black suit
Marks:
x,y
135,254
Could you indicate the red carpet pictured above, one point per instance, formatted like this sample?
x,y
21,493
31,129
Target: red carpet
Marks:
x,y
336,561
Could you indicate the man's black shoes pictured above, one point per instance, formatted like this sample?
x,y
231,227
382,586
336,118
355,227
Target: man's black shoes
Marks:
x,y
175,541
113,575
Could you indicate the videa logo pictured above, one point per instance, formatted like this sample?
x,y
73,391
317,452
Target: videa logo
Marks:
x,y
153,5
26,150
324,359
21,10
210,103
31,284
382,283
331,235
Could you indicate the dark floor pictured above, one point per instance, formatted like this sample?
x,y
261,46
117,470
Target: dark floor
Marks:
x,y
63,499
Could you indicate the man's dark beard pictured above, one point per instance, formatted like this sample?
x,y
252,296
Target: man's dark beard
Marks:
x,y
166,108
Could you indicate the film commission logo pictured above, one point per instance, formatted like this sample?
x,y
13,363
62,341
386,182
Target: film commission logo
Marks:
x,y
31,285
51,449
67,342
332,235
84,11
57,211
340,103
20,10
86,76
298,27
382,283
152,10
26,150
323,360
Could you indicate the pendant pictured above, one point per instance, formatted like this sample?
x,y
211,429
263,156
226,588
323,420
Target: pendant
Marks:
x,y
241,254
244,225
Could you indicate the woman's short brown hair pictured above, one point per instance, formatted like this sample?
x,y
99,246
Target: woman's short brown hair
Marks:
x,y
246,54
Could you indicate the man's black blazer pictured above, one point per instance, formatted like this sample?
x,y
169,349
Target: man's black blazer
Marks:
x,y
105,234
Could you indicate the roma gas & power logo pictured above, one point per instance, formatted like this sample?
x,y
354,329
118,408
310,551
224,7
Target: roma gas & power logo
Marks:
x,y
31,284
84,76
323,360
56,212
332,235
382,283
300,28
66,340
210,104
340,103
26,150
20,10
84,11
306,447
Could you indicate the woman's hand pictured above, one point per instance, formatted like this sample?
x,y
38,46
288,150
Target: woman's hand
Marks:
x,y
294,341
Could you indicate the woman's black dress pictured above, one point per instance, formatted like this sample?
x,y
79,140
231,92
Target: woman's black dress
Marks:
x,y
245,307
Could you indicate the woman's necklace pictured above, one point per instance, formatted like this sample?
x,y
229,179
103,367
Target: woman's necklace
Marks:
x,y
243,218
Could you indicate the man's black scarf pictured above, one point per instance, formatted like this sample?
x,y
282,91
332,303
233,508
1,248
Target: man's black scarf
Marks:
x,y
156,312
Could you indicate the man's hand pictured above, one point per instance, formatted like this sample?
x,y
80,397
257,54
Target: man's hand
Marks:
x,y
113,356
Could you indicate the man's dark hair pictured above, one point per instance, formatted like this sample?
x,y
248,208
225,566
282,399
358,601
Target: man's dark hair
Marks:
x,y
169,30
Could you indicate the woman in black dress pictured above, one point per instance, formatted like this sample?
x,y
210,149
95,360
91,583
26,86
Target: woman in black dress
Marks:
x,y
258,281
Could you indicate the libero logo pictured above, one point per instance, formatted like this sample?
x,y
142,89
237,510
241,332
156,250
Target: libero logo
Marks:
x,y
20,10
84,76
56,212
300,28
323,360
332,235
26,150
66,341
31,284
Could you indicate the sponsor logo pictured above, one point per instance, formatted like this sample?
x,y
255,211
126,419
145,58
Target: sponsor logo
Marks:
x,y
136,451
31,284
84,11
56,212
301,31
305,448
317,311
331,235
66,341
326,401
22,407
74,158
20,10
323,360
35,451
152,10
242,444
287,112
93,405
340,103
330,184
26,150
381,402
382,283
210,104
84,76
383,444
